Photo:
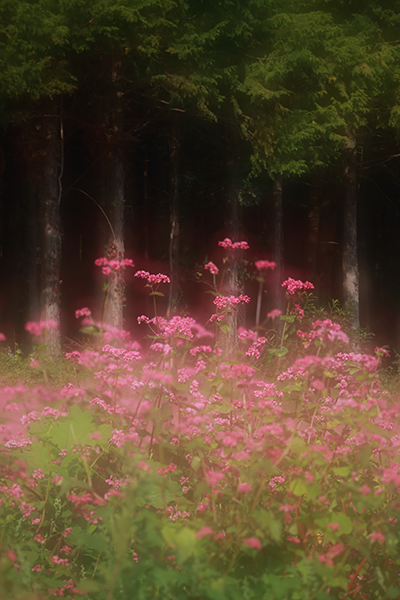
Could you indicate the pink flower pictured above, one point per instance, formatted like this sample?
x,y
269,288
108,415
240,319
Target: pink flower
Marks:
x,y
377,536
229,245
56,560
36,568
168,469
82,312
38,474
294,286
222,302
365,490
274,313
252,543
39,538
334,526
2,337
159,278
203,532
107,266
263,265
36,327
244,488
212,268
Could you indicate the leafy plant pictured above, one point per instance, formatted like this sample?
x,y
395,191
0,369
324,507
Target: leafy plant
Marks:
x,y
183,474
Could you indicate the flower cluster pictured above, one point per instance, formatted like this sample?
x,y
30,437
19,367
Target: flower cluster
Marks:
x,y
212,268
222,302
83,312
229,245
112,265
264,265
37,327
152,278
324,331
294,286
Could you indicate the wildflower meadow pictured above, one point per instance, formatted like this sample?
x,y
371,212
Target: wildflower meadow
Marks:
x,y
187,468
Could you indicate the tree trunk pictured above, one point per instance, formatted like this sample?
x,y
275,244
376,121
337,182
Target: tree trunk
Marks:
x,y
175,155
113,313
51,226
277,201
233,222
314,216
351,276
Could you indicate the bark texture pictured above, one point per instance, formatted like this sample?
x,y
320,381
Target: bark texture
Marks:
x,y
113,313
51,226
175,155
277,201
351,276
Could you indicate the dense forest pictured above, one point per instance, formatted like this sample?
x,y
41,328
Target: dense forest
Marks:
x,y
151,129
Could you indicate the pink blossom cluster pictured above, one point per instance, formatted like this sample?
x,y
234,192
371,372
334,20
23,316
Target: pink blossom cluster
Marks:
x,y
255,348
118,353
205,349
294,286
229,245
222,302
175,326
236,371
333,552
252,543
246,334
264,265
212,268
109,266
153,279
83,312
324,331
37,327
273,314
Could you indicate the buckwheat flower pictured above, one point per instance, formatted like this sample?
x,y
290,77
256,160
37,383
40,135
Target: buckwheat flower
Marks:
x,y
229,245
82,312
36,327
252,543
39,538
37,568
157,278
67,532
38,474
244,488
2,337
274,313
377,536
56,560
294,286
203,532
212,268
334,526
264,265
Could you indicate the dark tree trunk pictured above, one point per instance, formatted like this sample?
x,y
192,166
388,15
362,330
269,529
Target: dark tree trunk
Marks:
x,y
175,156
277,202
113,314
233,224
314,217
351,276
51,226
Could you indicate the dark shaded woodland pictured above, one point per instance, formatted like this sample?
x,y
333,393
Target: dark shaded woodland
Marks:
x,y
152,131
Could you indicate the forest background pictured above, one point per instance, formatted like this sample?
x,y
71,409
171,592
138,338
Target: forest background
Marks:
x,y
151,129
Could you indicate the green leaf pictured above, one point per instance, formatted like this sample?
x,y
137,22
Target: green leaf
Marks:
x,y
343,471
196,463
90,330
298,487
